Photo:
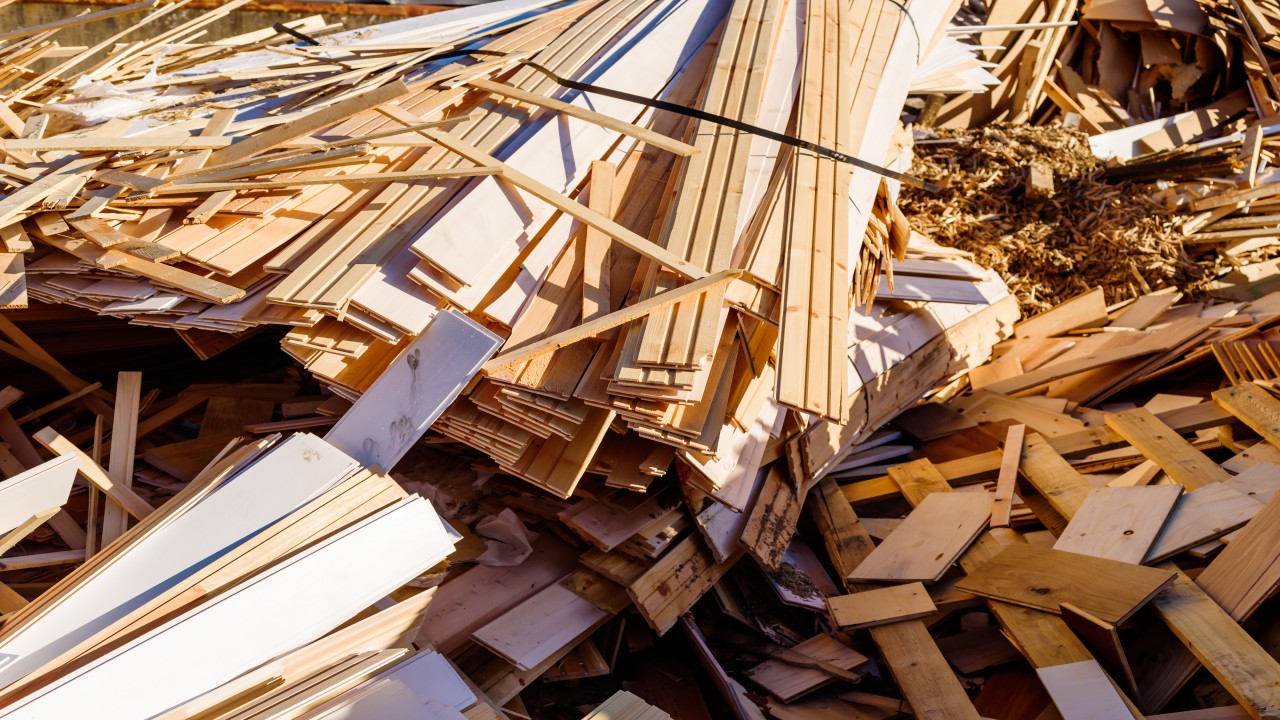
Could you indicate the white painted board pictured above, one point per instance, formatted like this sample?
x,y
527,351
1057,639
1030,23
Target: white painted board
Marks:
x,y
299,469
40,488
281,608
414,390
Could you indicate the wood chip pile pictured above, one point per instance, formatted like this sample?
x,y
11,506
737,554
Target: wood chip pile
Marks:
x,y
591,406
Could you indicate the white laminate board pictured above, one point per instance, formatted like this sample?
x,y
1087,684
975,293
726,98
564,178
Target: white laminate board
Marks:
x,y
540,626
382,700
295,471
429,676
40,488
277,610
412,392
1082,691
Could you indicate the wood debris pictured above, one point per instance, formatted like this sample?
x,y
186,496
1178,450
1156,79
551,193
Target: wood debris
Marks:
x,y
590,408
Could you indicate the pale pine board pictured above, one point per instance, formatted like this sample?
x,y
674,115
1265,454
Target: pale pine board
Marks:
x,y
1120,523
1215,510
880,606
929,540
1044,578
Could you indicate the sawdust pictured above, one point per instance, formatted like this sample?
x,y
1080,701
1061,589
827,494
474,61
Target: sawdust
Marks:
x,y
1088,233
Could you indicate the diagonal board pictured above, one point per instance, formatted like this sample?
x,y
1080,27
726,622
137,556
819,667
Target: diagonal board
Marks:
x,y
1166,448
1119,523
1236,660
929,540
1215,510
414,390
1254,407
1044,578
1247,572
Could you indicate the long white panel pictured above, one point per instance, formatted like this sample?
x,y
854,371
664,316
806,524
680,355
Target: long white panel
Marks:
x,y
278,610
414,389
297,470
40,488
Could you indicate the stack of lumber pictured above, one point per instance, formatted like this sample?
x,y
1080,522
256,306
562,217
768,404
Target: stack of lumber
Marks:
x,y
594,286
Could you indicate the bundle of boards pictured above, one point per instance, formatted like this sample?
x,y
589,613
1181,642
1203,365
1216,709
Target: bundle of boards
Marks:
x,y
595,285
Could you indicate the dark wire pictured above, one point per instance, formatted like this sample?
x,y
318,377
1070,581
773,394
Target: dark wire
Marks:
x,y
712,117
914,30
280,28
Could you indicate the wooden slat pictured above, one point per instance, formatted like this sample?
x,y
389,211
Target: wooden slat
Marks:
x,y
1121,523
878,607
929,540
1247,671
1044,579
1185,464
124,429
91,471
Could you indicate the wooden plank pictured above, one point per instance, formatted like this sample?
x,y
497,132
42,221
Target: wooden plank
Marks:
x,y
599,325
64,175
595,244
1010,458
623,704
124,429
929,540
414,390
1215,510
1247,572
878,607
1086,310
555,199
644,135
184,281
1121,523
1247,671
483,593
1144,310
920,670
1166,448
917,480
76,20
309,123
33,491
13,281
1044,578
677,581
1103,639
977,467
1073,366
539,627
788,681
1053,477
1254,407
846,540
1082,691
91,471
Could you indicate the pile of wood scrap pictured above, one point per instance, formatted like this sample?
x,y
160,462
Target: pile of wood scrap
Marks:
x,y
606,409
1179,101
566,279
1083,524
